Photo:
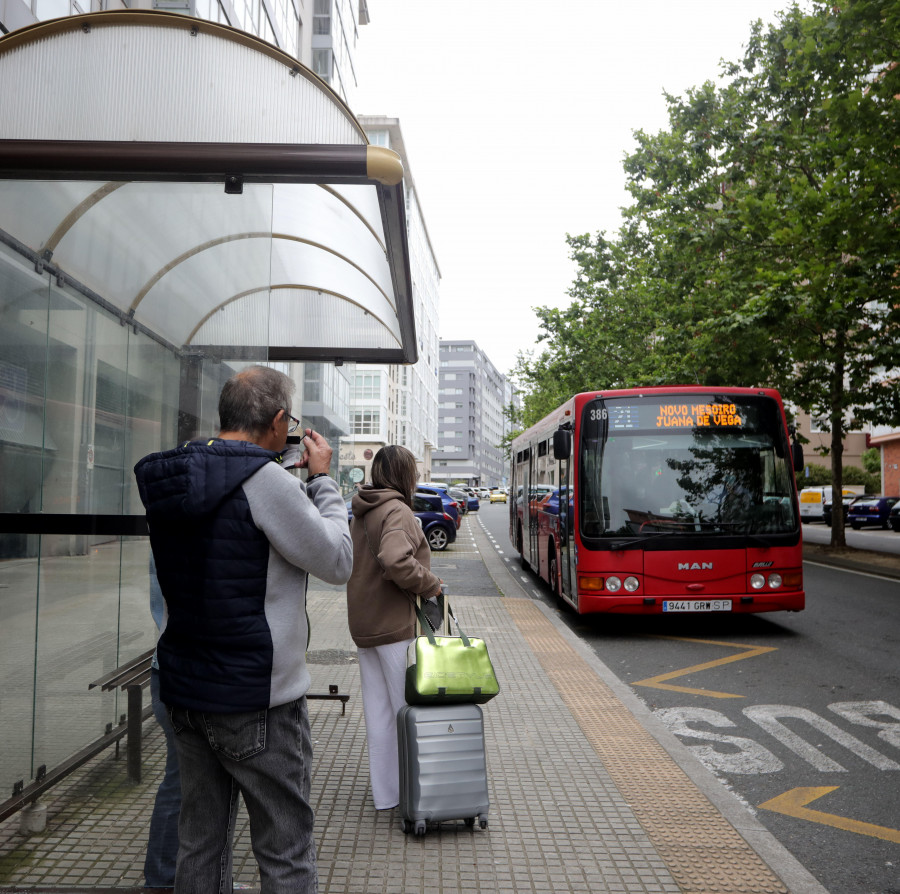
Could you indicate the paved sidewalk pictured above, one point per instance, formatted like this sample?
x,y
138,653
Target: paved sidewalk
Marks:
x,y
588,792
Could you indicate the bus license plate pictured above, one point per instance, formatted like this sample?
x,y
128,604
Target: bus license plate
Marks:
x,y
696,605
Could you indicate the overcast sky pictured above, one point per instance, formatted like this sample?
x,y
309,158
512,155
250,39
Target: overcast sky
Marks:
x,y
516,115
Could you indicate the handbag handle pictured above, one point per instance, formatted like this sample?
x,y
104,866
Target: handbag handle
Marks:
x,y
430,633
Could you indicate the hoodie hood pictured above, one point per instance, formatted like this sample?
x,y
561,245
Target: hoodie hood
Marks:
x,y
195,479
368,497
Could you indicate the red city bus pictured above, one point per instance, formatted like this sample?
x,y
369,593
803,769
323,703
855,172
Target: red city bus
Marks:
x,y
652,500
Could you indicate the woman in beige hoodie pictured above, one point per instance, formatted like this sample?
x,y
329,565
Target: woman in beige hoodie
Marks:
x,y
391,567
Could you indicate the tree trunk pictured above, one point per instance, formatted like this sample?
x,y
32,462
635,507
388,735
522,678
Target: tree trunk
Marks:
x,y
838,538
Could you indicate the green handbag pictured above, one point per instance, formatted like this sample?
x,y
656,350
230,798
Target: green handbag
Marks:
x,y
443,670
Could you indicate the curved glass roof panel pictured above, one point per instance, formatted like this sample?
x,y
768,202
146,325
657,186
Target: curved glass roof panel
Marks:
x,y
206,188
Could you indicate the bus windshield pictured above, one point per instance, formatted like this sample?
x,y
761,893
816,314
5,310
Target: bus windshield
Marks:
x,y
682,465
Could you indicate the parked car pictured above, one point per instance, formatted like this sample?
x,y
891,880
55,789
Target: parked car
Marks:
x,y
438,526
894,517
870,511
450,505
461,495
826,507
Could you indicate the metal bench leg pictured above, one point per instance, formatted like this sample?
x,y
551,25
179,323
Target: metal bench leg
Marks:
x,y
135,731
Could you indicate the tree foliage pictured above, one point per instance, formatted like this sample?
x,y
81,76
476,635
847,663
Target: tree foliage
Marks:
x,y
761,245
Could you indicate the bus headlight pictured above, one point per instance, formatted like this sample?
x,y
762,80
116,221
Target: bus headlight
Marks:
x,y
774,580
757,581
613,584
631,584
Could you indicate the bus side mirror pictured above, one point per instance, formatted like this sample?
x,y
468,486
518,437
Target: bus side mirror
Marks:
x,y
562,444
796,456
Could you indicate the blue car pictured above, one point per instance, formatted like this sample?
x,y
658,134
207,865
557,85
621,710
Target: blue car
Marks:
x,y
450,506
439,527
870,511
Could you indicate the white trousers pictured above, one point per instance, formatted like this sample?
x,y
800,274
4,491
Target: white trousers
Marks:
x,y
382,673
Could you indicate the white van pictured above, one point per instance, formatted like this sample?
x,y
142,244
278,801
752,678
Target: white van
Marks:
x,y
812,499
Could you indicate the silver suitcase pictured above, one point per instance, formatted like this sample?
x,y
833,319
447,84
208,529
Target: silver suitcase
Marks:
x,y
443,772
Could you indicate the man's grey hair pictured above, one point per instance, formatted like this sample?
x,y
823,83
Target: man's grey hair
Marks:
x,y
251,398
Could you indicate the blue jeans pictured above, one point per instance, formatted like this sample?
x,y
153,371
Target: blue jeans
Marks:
x,y
162,846
265,756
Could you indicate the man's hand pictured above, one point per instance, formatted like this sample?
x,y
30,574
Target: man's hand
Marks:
x,y
317,457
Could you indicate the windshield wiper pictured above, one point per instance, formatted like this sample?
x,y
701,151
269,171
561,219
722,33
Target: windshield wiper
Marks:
x,y
639,541
634,542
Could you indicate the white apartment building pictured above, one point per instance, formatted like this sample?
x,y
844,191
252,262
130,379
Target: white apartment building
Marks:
x,y
322,34
393,404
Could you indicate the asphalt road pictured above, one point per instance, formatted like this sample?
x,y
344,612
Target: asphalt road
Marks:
x,y
797,713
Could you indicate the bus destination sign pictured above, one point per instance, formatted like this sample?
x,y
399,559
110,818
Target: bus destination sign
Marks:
x,y
698,416
649,415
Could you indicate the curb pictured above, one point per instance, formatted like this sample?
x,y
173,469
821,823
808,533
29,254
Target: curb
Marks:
x,y
860,560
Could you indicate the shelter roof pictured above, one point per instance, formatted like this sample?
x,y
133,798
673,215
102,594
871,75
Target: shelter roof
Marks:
x,y
205,187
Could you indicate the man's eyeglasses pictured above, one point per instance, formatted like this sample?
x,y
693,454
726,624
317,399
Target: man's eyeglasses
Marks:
x,y
293,422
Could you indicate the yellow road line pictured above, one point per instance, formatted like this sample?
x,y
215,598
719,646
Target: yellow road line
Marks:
x,y
659,681
793,803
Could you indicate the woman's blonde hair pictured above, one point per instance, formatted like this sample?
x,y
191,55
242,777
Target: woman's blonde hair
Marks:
x,y
395,467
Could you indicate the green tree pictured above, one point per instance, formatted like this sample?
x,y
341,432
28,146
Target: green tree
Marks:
x,y
871,461
813,184
762,242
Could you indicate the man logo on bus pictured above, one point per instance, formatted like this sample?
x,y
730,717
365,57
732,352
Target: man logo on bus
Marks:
x,y
695,566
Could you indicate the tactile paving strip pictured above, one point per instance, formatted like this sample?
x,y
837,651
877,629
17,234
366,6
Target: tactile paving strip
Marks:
x,y
704,853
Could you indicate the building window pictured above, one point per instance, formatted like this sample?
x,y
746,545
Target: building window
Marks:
x,y
367,386
322,17
322,62
366,422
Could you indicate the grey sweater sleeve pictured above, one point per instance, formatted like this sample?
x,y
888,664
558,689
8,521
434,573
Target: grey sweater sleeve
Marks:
x,y
308,527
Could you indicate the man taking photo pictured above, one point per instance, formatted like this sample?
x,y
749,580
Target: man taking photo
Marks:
x,y
234,536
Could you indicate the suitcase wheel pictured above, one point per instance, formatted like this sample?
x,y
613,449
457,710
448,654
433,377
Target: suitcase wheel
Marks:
x,y
407,827
469,821
482,821
420,828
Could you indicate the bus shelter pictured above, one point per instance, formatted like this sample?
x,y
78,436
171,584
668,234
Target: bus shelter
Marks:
x,y
178,199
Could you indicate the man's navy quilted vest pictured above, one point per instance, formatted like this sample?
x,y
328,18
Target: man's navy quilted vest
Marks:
x,y
216,651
